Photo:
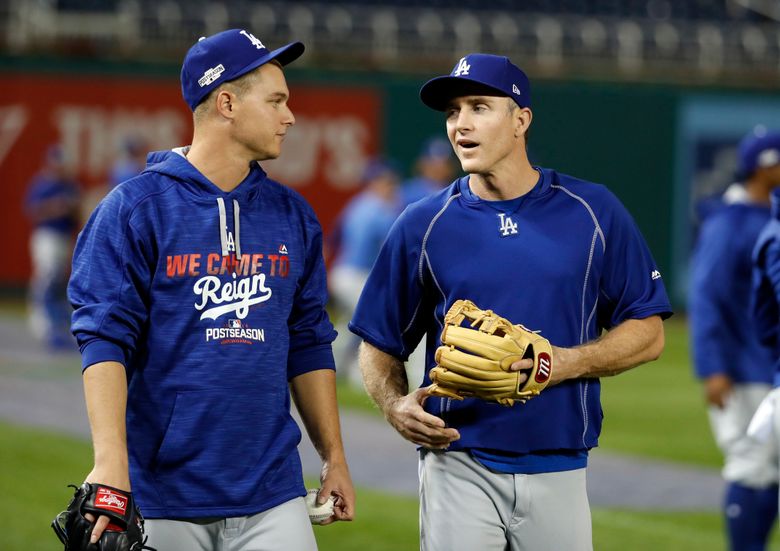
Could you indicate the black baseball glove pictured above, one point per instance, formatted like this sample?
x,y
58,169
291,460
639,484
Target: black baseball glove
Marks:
x,y
125,531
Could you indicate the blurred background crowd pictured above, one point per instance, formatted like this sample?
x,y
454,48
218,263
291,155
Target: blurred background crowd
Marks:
x,y
648,97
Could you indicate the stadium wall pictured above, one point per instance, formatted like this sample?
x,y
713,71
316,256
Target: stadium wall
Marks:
x,y
651,144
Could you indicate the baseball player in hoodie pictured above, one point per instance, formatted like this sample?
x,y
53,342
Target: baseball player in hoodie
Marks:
x,y
199,292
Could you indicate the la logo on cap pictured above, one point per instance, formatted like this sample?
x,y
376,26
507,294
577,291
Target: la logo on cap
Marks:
x,y
463,68
253,39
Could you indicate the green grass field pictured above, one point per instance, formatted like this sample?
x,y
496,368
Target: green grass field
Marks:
x,y
654,411
36,465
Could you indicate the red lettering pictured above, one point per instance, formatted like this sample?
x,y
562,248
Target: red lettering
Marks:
x,y
194,264
284,266
176,265
256,263
243,265
210,268
273,258
229,264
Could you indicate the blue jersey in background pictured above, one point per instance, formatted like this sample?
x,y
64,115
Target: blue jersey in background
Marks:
x,y
724,337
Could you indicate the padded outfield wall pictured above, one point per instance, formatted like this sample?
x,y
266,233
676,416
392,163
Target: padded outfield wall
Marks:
x,y
657,147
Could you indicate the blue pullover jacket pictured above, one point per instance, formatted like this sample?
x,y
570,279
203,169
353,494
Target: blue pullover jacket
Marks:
x,y
724,337
212,301
565,259
765,299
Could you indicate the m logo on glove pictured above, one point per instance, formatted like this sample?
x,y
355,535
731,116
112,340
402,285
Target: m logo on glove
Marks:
x,y
475,361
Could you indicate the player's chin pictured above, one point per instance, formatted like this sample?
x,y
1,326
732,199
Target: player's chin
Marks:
x,y
471,166
269,153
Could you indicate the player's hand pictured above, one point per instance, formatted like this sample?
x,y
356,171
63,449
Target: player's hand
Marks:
x,y
336,481
717,389
408,417
118,478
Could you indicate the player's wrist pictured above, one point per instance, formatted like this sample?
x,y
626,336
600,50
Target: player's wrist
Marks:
x,y
569,363
114,474
392,404
335,458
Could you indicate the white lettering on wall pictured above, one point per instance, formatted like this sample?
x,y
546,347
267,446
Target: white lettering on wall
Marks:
x,y
339,145
93,136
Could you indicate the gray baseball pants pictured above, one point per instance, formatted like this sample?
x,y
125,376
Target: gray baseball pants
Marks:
x,y
465,506
285,527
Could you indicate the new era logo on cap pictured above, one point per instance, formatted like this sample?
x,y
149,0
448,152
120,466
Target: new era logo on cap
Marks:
x,y
224,57
496,74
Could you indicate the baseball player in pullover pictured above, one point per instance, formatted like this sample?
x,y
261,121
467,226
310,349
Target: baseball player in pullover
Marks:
x,y
555,253
199,293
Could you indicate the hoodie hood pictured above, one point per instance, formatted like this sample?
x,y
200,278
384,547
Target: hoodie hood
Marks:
x,y
173,163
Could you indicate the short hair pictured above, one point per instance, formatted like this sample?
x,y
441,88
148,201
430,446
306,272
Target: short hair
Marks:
x,y
239,87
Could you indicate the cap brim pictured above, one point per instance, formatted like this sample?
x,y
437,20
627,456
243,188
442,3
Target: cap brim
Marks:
x,y
287,54
284,55
437,92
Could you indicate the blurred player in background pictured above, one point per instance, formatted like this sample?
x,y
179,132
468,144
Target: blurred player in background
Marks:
x,y
734,367
434,170
131,161
52,205
361,228
557,254
200,290
765,308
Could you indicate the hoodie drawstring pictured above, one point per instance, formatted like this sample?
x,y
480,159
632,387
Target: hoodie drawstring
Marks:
x,y
223,228
237,229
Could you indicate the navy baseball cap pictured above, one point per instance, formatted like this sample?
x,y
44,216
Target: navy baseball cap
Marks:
x,y
474,74
759,149
379,167
436,148
224,57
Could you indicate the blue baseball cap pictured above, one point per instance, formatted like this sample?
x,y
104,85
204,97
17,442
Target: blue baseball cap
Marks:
x,y
759,149
472,75
226,56
436,148
378,167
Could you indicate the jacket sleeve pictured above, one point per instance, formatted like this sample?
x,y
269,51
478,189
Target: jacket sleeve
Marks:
x,y
631,285
109,283
311,332
765,298
710,298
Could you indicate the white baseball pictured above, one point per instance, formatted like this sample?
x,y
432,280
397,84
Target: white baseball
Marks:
x,y
318,513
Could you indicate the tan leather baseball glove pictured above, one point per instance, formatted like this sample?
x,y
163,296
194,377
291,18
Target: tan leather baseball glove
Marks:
x,y
474,359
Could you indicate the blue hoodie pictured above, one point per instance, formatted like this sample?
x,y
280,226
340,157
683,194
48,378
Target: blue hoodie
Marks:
x,y
765,298
212,301
724,337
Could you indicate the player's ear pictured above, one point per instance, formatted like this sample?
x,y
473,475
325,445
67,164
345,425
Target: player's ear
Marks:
x,y
522,118
224,103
